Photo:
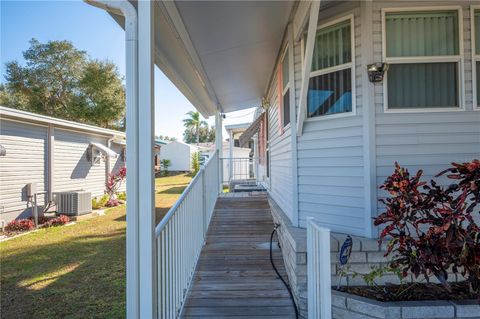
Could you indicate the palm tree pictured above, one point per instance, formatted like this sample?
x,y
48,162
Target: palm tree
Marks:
x,y
194,122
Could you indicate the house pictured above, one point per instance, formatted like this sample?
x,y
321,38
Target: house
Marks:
x,y
344,89
238,162
158,143
180,155
54,154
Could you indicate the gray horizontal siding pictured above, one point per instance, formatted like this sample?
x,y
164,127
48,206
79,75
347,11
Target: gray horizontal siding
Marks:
x,y
427,141
24,163
72,170
280,156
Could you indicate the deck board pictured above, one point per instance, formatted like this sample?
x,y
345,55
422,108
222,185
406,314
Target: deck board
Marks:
x,y
234,277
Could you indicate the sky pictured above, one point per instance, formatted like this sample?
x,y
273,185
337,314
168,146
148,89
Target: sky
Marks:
x,y
92,30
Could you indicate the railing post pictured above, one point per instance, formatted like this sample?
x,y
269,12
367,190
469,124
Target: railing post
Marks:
x,y
318,271
204,204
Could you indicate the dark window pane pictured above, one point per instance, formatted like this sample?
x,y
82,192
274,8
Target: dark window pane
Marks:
x,y
330,93
422,85
286,108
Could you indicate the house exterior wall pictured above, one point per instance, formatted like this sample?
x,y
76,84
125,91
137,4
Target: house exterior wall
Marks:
x,y
280,182
179,154
24,163
27,160
72,169
333,153
425,140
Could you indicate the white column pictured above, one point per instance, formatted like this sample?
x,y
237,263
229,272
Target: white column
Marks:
x,y
51,161
219,147
230,155
146,203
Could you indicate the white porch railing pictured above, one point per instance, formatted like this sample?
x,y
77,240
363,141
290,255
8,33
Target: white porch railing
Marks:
x,y
180,238
318,271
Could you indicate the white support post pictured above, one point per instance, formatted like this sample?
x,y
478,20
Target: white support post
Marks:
x,y
368,119
219,148
230,156
51,161
312,30
318,271
293,135
146,185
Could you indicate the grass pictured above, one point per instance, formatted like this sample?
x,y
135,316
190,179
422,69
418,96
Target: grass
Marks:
x,y
75,271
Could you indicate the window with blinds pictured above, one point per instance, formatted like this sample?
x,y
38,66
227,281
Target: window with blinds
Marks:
x,y
476,55
423,50
285,96
331,77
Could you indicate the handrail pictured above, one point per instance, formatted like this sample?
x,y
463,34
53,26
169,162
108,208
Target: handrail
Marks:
x,y
171,211
180,236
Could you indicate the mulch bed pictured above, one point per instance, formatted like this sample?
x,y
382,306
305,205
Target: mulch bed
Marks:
x,y
413,292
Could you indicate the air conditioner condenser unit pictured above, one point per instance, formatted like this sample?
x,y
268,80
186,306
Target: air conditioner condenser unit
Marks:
x,y
73,203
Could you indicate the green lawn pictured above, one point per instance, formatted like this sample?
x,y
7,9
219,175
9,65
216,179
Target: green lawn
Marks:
x,y
74,271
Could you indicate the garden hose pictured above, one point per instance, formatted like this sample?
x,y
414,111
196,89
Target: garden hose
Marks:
x,y
280,276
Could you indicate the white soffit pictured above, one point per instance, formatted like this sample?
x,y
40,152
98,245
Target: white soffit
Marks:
x,y
237,43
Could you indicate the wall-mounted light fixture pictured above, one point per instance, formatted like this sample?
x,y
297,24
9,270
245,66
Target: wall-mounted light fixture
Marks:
x,y
376,71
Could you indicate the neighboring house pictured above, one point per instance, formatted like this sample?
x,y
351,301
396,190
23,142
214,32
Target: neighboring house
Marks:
x,y
331,125
238,162
179,154
56,155
157,147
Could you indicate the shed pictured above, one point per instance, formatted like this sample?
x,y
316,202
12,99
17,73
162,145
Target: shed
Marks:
x,y
180,155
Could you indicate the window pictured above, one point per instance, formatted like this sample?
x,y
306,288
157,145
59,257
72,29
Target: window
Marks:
x,y
330,89
423,50
285,90
476,55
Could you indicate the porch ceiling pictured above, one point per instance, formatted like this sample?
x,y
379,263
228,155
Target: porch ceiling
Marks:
x,y
237,43
219,54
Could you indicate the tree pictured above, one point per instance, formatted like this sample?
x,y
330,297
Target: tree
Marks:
x,y
60,80
165,138
194,123
207,134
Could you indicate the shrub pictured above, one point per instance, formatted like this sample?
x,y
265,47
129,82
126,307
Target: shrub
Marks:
x,y
195,162
57,221
112,202
99,202
431,227
122,196
20,225
41,219
164,165
115,181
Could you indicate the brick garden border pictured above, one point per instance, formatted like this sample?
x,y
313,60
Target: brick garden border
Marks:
x,y
349,306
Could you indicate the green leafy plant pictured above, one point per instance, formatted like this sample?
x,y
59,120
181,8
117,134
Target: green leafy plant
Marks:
x,y
122,196
164,165
195,163
99,202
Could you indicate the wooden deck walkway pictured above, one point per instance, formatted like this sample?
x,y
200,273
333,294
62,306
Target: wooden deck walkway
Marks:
x,y
234,277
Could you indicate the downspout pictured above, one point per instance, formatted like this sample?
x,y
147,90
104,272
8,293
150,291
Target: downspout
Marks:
x,y
108,165
126,9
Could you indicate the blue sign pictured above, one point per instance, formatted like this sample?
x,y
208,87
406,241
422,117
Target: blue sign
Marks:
x,y
345,250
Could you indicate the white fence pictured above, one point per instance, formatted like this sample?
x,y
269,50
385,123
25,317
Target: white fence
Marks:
x,y
180,238
318,275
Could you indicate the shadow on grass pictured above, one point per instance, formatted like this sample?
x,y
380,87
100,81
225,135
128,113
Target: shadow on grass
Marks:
x,y
81,277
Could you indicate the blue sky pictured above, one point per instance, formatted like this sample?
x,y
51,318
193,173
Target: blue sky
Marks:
x,y
94,31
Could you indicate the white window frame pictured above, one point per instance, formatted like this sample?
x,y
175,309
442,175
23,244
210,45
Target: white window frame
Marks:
x,y
287,87
345,66
459,59
475,58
